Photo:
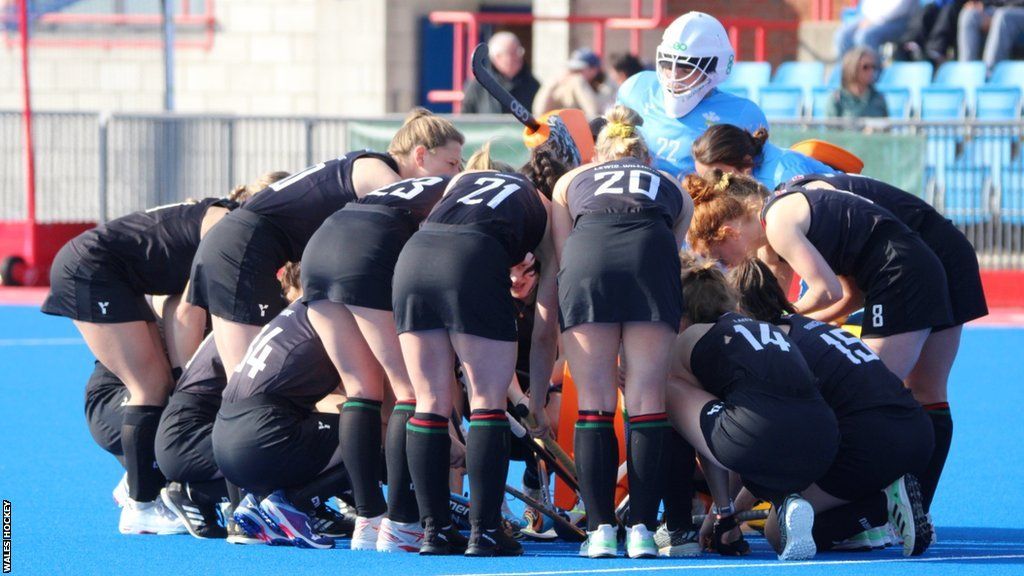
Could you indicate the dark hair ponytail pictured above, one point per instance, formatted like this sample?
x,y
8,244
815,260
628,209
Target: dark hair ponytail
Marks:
x,y
760,294
729,145
543,169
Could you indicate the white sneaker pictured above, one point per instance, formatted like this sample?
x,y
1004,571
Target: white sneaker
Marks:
x,y
640,542
364,537
935,536
149,518
796,523
399,536
120,492
602,543
677,543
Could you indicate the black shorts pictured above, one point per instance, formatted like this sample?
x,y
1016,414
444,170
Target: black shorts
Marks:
x,y
351,258
620,268
878,446
105,399
778,446
265,443
88,285
906,288
184,442
454,277
960,261
234,274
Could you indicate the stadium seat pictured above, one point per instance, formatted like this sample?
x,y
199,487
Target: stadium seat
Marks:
x,y
741,91
803,75
997,103
897,101
780,103
966,75
749,75
1011,194
910,75
965,193
835,77
1008,73
939,103
820,97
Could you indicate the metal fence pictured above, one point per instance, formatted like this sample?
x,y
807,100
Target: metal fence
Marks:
x,y
93,167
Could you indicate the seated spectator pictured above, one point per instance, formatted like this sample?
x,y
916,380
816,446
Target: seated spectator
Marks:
x,y
507,59
582,86
931,32
877,22
623,66
1000,23
857,96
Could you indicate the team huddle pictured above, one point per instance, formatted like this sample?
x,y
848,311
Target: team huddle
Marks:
x,y
266,361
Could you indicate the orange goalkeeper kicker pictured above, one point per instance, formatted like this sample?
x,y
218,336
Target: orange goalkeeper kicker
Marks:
x,y
575,121
835,156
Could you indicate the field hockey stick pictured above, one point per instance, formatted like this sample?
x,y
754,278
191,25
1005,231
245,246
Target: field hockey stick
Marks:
x,y
568,528
566,474
744,516
522,412
486,79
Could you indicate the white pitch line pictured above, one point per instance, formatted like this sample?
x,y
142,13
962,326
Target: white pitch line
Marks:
x,y
758,565
41,341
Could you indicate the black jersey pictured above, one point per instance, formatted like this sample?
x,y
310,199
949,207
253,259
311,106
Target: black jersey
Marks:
x,y
845,228
624,186
740,356
909,209
153,248
850,375
288,360
299,204
415,197
204,373
505,205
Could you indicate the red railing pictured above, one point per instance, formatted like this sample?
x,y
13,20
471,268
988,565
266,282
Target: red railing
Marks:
x,y
203,21
825,9
467,35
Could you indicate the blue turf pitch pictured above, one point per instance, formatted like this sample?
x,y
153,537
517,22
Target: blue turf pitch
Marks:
x,y
64,521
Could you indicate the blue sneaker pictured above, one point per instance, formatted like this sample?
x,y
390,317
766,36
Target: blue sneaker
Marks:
x,y
250,519
293,522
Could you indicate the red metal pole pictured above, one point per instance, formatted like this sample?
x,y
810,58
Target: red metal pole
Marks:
x,y
599,39
458,63
30,165
635,10
760,53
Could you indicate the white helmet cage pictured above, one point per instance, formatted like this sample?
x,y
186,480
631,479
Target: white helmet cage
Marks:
x,y
694,56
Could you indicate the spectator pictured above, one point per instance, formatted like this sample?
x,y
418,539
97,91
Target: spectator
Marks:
x,y
623,66
1003,21
506,54
931,32
857,97
582,86
878,22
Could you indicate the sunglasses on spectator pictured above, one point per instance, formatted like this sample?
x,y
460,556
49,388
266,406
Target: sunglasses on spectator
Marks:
x,y
868,67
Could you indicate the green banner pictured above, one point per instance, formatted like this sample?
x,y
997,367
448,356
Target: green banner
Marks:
x,y
506,139
897,159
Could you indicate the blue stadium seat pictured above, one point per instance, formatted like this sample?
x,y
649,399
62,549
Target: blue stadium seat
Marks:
x,y
966,75
820,98
1011,194
803,75
1008,73
997,103
835,77
749,75
939,103
897,101
965,193
780,103
741,91
910,75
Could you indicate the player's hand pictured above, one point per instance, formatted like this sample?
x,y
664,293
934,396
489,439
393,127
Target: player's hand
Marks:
x,y
706,531
540,425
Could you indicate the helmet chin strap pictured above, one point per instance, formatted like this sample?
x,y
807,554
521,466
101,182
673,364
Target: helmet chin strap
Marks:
x,y
681,105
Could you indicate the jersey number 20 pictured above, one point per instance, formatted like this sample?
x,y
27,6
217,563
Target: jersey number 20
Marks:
x,y
613,177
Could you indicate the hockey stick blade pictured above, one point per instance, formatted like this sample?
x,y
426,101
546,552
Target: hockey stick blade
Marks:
x,y
546,510
486,79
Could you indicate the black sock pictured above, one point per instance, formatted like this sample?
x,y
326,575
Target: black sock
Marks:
x,y
207,492
942,423
401,497
331,482
360,449
427,446
234,494
487,466
138,437
848,520
597,465
680,462
646,465
531,474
